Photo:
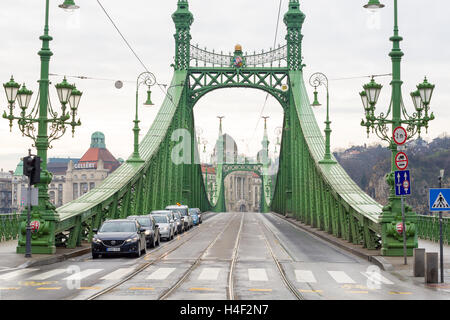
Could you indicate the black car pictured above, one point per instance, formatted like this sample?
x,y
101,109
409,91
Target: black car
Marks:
x,y
152,235
119,237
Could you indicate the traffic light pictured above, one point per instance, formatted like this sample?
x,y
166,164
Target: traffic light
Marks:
x,y
32,169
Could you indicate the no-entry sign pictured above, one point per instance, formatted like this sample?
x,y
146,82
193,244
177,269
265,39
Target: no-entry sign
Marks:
x,y
401,161
400,135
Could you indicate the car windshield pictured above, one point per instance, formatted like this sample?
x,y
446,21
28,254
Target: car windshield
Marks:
x,y
145,222
122,226
161,219
193,213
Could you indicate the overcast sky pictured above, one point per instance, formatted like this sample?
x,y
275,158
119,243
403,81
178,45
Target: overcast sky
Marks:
x,y
341,39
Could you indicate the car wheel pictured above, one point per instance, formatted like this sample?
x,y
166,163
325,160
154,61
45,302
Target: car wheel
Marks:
x,y
138,253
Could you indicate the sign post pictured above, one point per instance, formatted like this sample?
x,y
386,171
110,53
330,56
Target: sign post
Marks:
x,y
402,188
439,202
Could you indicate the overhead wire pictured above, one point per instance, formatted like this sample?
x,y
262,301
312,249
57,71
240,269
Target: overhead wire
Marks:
x,y
132,50
274,45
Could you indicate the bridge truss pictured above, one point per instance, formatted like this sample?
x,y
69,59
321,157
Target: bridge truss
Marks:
x,y
321,195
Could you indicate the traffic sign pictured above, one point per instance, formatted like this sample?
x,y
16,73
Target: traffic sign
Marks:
x,y
439,199
401,161
400,135
399,228
402,183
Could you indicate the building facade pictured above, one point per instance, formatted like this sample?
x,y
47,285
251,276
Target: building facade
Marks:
x,y
5,191
72,177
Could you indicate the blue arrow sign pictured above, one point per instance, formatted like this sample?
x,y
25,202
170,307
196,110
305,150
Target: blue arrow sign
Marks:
x,y
439,199
402,183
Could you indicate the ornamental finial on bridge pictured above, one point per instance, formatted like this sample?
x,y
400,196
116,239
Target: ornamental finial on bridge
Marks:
x,y
238,60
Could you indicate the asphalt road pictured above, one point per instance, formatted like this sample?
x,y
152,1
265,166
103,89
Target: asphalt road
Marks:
x,y
230,256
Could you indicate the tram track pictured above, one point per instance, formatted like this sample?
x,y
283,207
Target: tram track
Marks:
x,y
197,262
286,280
144,266
230,292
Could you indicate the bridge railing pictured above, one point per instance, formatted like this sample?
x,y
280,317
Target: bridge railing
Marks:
x,y
9,226
428,228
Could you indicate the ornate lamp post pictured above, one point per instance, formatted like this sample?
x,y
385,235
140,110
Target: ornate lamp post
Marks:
x,y
318,79
42,115
391,215
149,80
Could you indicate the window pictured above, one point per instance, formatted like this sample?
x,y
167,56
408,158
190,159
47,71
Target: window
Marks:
x,y
91,185
83,188
75,191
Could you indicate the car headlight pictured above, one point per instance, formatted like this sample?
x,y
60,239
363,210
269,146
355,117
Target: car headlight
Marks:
x,y
132,239
147,232
95,240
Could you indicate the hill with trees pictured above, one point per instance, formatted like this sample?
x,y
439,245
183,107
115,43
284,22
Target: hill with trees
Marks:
x,y
368,166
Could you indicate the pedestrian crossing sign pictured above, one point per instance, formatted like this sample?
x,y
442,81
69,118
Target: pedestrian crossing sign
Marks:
x,y
439,199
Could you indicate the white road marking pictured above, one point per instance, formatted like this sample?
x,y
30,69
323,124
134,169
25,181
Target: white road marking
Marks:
x,y
341,277
305,276
47,275
209,274
83,274
118,274
15,274
161,274
377,278
257,275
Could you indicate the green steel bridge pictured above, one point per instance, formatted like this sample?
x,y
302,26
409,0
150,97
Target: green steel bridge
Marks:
x,y
319,194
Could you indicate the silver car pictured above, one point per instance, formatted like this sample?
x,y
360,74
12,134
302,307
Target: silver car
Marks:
x,y
166,228
184,211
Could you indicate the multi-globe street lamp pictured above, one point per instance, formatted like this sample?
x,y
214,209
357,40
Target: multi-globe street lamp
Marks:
x,y
391,213
42,115
149,80
316,80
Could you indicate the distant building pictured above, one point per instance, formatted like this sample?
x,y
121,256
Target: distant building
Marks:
x,y
93,167
18,181
72,177
5,191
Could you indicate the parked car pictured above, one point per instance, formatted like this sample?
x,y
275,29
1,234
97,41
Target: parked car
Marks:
x,y
194,215
119,237
163,222
152,235
184,211
199,215
179,222
172,220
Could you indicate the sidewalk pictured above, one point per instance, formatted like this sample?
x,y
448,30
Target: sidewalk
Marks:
x,y
9,259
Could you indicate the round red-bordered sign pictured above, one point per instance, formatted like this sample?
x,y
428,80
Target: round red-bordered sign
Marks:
x,y
400,136
401,161
399,228
406,184
35,225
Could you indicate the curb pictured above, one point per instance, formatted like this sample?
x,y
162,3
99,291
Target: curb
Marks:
x,y
375,259
55,259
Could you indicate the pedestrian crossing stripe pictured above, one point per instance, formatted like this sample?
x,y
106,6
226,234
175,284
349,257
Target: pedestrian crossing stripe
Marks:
x,y
41,278
441,202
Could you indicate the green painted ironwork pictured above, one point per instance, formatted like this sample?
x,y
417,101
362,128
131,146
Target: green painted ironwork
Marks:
x,y
428,228
319,194
392,212
9,226
51,125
